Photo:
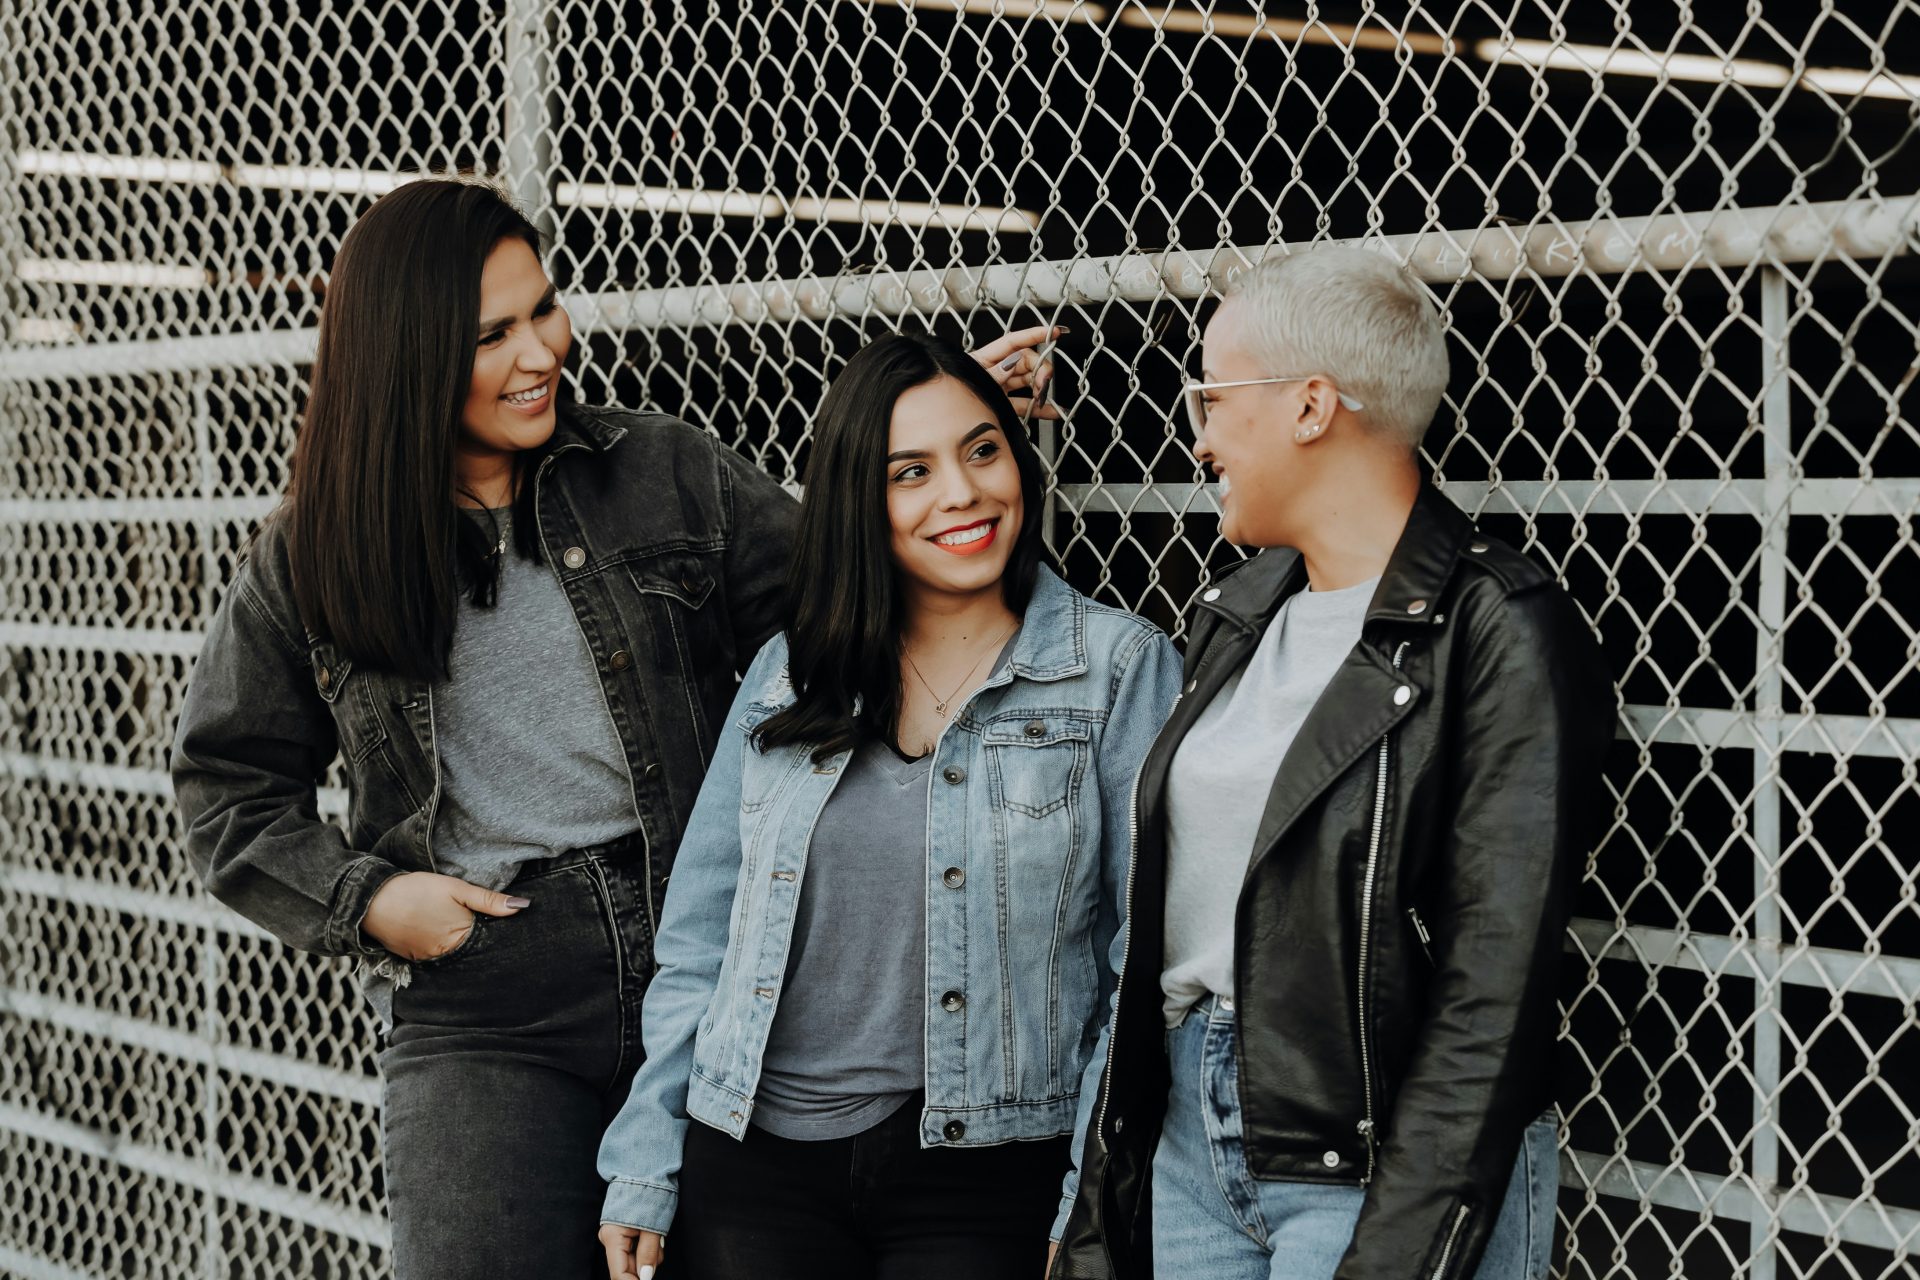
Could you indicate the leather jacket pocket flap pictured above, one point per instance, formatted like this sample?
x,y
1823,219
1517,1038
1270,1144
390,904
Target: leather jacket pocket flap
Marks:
x,y
1041,729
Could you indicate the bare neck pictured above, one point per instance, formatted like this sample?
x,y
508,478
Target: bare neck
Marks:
x,y
484,479
935,620
1350,530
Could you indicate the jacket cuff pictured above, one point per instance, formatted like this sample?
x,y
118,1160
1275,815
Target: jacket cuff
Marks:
x,y
644,1205
362,879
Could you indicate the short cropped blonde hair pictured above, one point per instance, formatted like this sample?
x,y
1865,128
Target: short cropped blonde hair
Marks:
x,y
1357,317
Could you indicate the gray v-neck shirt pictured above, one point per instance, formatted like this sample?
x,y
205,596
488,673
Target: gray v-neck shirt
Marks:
x,y
848,1042
847,1046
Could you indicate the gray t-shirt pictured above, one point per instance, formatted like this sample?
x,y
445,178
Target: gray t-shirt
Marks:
x,y
530,762
1222,773
848,1042
847,1046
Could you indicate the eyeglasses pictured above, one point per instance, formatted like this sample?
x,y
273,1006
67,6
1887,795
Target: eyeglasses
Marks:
x,y
1195,394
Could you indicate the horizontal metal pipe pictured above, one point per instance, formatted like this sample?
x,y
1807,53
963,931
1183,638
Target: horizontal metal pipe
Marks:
x,y
1885,496
1724,238
269,1197
1867,1221
1814,496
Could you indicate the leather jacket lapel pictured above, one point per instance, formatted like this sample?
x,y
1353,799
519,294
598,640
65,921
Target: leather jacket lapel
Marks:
x,y
1361,704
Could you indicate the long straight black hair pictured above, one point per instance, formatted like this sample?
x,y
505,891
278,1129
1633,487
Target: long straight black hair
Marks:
x,y
378,551
844,604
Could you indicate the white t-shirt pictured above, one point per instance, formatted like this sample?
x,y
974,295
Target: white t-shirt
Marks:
x,y
1222,773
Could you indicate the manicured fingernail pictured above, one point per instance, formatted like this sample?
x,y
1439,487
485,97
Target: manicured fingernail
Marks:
x,y
1060,328
1010,361
517,903
646,1273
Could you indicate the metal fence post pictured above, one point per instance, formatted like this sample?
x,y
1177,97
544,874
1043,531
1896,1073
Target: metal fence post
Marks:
x,y
1777,449
527,154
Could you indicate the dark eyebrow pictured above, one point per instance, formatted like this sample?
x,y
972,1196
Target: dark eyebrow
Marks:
x,y
488,326
906,454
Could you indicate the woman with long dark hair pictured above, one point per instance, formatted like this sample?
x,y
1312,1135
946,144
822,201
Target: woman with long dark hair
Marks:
x,y
518,622
885,958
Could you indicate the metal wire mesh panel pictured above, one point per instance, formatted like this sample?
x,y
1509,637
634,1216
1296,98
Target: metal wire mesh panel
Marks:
x,y
1674,247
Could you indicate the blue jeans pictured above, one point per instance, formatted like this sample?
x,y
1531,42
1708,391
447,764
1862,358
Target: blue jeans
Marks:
x,y
1212,1218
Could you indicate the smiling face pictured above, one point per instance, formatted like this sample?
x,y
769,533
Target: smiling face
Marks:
x,y
953,490
1249,441
520,349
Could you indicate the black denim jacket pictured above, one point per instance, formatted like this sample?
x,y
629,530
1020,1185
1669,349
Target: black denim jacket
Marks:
x,y
672,550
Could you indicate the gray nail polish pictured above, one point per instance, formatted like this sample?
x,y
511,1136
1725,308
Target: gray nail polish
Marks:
x,y
519,902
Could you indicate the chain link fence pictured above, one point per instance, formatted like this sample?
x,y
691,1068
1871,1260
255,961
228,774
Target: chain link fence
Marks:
x,y
1675,246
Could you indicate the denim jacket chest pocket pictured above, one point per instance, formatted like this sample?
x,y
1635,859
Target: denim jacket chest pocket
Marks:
x,y
675,596
1037,761
762,773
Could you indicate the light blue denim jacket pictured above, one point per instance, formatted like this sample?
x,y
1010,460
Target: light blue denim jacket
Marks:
x,y
1029,801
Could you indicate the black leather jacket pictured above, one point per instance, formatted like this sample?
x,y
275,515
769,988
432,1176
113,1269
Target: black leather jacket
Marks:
x,y
1398,934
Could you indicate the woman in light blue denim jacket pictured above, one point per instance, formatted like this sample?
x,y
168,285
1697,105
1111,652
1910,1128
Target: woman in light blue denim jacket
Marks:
x,y
885,955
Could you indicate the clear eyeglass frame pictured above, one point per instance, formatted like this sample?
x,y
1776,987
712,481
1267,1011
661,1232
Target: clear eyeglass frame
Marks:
x,y
1194,394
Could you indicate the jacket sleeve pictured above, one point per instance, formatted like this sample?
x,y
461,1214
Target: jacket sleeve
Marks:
x,y
641,1150
1537,712
1144,693
253,741
762,519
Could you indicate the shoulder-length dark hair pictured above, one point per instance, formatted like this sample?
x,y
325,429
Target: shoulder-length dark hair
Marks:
x,y
378,552
843,610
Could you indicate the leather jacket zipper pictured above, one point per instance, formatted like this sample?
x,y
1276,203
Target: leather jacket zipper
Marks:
x,y
1420,932
1126,942
1453,1238
1366,1125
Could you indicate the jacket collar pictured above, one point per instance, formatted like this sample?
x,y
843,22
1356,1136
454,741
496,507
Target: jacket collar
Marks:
x,y
584,427
1052,644
1411,586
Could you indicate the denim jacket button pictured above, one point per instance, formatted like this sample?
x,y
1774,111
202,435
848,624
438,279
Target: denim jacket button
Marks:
x,y
954,775
573,557
953,877
955,1131
620,660
325,677
651,771
953,1002
1035,729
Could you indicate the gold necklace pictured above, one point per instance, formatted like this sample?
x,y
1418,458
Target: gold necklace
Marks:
x,y
940,703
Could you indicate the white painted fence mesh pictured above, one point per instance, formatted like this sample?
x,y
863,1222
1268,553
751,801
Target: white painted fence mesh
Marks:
x,y
1674,245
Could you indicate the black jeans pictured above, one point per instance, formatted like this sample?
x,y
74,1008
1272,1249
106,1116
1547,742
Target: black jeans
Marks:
x,y
876,1206
509,1057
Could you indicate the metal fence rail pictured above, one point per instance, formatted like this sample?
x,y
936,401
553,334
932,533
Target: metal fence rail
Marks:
x,y
1675,248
